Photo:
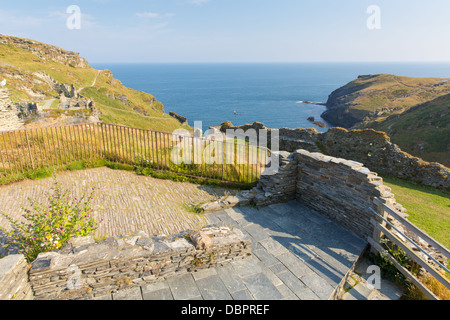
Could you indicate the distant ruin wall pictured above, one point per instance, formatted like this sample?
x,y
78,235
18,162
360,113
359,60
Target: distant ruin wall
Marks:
x,y
181,119
372,148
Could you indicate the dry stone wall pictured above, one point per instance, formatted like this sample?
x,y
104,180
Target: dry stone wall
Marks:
x,y
84,269
9,113
14,283
279,187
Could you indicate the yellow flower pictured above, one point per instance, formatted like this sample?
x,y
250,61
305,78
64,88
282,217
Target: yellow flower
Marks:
x,y
49,237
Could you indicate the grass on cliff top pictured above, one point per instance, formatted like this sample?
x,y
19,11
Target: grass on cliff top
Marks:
x,y
428,208
26,60
423,131
374,93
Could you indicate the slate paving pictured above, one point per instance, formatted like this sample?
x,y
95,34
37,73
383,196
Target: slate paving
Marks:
x,y
126,202
297,255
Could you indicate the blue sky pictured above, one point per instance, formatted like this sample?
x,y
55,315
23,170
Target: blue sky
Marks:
x,y
237,30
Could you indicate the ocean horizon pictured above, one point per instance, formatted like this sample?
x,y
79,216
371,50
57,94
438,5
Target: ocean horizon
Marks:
x,y
271,93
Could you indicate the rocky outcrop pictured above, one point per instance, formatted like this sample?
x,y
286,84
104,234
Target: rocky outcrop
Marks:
x,y
181,119
338,104
10,113
370,97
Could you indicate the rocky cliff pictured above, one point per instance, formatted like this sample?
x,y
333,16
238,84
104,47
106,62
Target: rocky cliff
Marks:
x,y
414,112
373,98
372,148
46,52
64,89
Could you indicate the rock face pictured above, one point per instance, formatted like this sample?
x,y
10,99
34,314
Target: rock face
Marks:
x,y
181,119
372,148
372,96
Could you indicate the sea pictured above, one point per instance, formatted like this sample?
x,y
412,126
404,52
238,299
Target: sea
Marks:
x,y
271,93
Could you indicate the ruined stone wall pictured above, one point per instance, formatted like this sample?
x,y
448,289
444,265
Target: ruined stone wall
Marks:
x,y
279,187
14,283
341,190
375,150
87,269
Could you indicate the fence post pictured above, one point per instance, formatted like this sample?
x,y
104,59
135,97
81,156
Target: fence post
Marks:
x,y
377,234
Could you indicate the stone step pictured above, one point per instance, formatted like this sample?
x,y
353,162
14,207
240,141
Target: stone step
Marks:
x,y
358,288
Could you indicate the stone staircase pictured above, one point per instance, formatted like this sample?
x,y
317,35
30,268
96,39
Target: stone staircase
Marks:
x,y
357,287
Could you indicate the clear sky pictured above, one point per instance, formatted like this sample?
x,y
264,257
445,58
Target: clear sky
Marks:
x,y
237,30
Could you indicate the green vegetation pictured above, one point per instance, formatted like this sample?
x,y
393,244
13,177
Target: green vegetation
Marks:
x,y
50,225
117,103
428,208
422,131
414,112
35,153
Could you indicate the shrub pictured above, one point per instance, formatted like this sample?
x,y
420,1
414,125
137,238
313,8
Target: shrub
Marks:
x,y
49,226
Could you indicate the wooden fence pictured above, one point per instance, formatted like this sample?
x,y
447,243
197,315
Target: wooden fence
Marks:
x,y
228,161
384,227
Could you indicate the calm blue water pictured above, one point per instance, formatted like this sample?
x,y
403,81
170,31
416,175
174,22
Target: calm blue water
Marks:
x,y
268,93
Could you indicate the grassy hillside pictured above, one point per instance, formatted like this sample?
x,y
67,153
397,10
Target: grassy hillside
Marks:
x,y
423,131
427,207
31,68
414,112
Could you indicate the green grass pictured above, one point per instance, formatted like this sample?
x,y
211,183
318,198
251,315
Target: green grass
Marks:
x,y
422,131
412,111
428,208
47,172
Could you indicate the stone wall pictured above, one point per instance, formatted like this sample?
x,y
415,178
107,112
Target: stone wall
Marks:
x,y
84,269
14,283
341,190
279,187
372,148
